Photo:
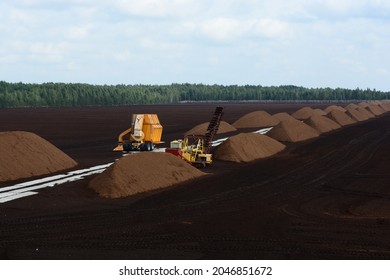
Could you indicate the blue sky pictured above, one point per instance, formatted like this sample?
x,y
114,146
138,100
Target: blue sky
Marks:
x,y
311,43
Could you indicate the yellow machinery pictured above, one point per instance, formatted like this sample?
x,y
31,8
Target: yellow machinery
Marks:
x,y
145,132
193,153
195,148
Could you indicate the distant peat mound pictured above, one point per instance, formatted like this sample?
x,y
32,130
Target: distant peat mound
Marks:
x,y
365,112
283,116
386,104
307,112
334,107
246,147
319,112
351,106
375,109
356,115
292,131
201,129
142,172
303,113
322,124
257,119
25,154
363,104
340,117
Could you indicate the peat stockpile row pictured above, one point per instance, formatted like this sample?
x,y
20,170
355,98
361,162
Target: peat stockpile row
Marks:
x,y
331,118
306,123
25,154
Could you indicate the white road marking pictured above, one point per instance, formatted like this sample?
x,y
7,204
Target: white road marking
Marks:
x,y
263,131
16,196
16,191
218,142
54,178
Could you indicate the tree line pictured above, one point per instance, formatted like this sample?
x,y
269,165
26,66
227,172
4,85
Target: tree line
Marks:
x,y
68,94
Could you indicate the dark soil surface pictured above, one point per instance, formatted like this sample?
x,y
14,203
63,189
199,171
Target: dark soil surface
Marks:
x,y
326,198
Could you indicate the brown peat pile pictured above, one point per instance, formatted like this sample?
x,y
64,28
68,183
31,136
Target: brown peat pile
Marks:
x,y
375,109
201,129
340,117
357,115
25,154
246,147
143,172
303,113
365,112
283,116
334,107
257,119
292,131
322,124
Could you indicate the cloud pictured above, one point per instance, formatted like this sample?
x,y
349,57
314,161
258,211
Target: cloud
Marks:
x,y
48,52
80,32
304,42
224,29
347,9
8,58
230,29
158,8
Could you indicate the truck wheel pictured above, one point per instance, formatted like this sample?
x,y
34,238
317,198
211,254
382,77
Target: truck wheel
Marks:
x,y
127,147
148,146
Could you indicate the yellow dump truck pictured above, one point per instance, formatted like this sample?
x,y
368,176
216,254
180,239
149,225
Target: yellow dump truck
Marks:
x,y
145,132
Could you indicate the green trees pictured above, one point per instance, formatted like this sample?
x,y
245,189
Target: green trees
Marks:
x,y
61,94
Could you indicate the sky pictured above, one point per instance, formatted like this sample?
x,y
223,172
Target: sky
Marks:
x,y
310,43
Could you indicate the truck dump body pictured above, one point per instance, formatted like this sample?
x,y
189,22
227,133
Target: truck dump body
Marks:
x,y
152,129
144,133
